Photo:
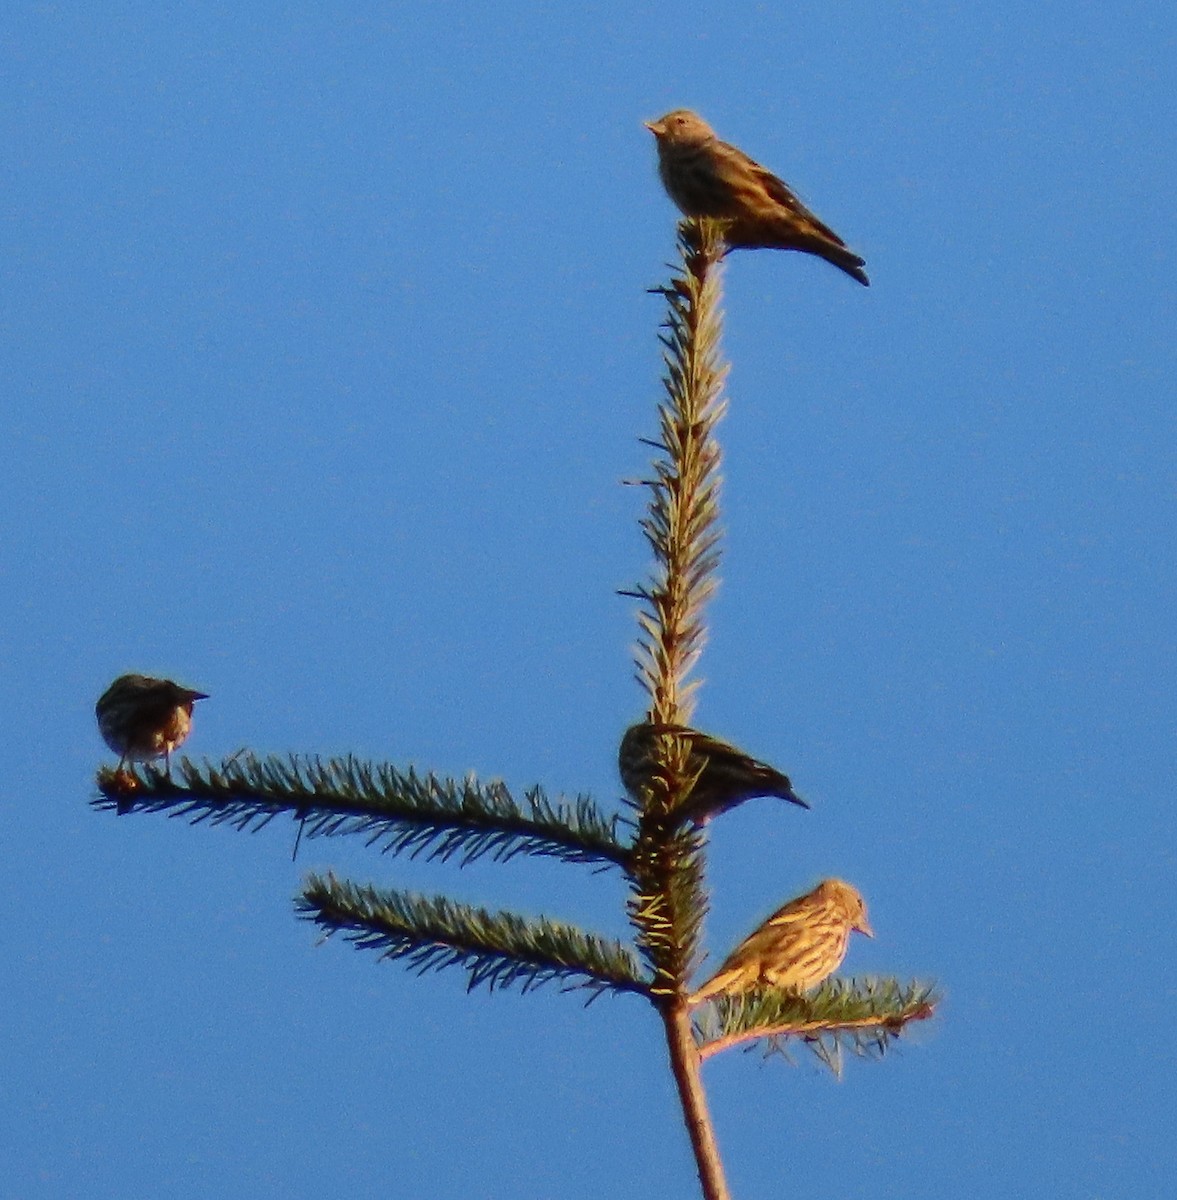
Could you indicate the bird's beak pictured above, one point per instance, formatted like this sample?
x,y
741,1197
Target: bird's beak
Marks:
x,y
655,127
863,926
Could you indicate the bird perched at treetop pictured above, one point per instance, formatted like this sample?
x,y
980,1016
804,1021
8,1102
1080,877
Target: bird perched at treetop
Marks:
x,y
707,177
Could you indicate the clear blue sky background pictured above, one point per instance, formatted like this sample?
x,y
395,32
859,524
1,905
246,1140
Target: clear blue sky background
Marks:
x,y
326,347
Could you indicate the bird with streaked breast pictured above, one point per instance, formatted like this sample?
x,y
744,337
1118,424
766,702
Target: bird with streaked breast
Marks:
x,y
797,948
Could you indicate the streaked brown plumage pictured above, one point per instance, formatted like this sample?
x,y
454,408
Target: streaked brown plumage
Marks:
x,y
725,775
707,177
797,947
142,718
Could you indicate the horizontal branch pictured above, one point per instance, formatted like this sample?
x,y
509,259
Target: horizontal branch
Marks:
x,y
398,811
863,1014
499,949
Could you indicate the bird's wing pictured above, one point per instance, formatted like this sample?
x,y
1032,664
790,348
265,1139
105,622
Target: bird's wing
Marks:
x,y
708,744
784,195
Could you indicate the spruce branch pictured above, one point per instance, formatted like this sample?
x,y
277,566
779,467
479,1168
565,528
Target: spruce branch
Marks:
x,y
863,1015
681,524
498,950
668,901
397,811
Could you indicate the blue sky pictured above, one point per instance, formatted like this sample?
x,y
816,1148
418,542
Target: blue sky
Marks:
x,y
327,347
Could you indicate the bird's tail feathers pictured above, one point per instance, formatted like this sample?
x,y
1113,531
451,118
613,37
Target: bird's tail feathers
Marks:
x,y
787,235
719,982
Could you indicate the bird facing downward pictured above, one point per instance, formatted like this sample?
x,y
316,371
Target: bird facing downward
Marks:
x,y
141,718
724,775
797,947
707,177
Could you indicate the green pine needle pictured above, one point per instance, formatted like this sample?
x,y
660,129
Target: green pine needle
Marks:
x,y
497,950
398,811
863,1016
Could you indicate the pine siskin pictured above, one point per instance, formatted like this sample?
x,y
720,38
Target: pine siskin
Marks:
x,y
706,177
141,718
724,775
797,947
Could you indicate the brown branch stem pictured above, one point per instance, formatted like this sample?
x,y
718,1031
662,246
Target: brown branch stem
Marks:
x,y
799,1028
681,527
684,1063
